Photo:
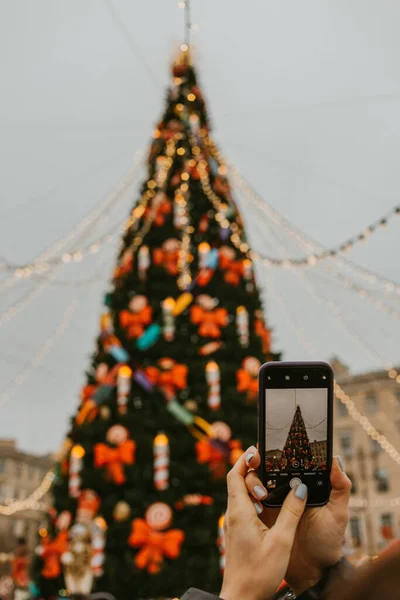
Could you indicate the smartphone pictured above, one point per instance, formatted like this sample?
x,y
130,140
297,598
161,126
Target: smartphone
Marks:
x,y
295,429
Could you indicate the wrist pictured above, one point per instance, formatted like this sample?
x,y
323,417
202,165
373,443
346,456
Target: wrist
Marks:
x,y
236,592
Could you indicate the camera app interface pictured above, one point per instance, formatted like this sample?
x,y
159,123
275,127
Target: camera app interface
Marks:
x,y
296,437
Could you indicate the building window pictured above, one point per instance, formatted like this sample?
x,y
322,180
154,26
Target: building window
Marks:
x,y
353,483
371,404
346,442
31,472
355,531
376,448
2,465
19,468
387,526
382,480
341,409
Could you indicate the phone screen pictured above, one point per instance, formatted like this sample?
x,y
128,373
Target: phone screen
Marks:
x,y
297,441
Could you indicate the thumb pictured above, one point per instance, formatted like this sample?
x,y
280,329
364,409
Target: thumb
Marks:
x,y
291,513
341,484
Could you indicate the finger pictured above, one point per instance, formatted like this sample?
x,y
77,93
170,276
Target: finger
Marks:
x,y
341,484
238,497
253,458
291,513
254,486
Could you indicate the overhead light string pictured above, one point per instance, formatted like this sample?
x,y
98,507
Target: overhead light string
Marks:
x,y
340,394
311,247
188,23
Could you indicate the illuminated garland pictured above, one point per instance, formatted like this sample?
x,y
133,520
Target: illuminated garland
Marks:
x,y
32,502
49,257
356,415
304,241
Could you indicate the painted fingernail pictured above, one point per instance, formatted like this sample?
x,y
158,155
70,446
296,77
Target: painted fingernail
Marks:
x,y
341,465
249,456
258,508
301,491
260,492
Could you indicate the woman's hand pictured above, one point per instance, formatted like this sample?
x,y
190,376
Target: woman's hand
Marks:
x,y
319,537
257,557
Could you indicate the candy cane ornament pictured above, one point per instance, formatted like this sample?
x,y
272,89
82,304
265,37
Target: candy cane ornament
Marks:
x,y
168,307
213,376
143,262
204,250
123,388
75,467
98,545
161,462
242,325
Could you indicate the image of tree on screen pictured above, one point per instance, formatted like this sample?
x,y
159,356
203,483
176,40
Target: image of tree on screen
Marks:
x,y
296,429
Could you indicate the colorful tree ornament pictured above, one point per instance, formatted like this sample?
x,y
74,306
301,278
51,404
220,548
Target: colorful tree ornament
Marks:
x,y
213,377
242,325
168,256
208,317
155,544
75,468
137,317
161,461
169,376
118,452
247,378
168,307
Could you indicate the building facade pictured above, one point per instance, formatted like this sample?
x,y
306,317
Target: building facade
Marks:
x,y
375,498
20,474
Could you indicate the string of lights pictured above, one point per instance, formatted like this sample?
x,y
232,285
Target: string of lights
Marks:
x,y
8,392
82,229
53,255
356,415
32,501
330,305
219,206
165,163
306,243
378,303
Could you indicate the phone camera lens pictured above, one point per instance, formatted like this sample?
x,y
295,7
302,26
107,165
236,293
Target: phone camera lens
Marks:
x,y
287,377
305,377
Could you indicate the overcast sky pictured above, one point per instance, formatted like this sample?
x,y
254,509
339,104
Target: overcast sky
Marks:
x,y
304,99
280,409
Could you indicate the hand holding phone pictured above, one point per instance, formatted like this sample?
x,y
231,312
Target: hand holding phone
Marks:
x,y
295,429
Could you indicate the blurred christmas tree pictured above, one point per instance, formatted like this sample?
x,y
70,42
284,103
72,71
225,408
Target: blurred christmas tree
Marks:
x,y
297,450
170,398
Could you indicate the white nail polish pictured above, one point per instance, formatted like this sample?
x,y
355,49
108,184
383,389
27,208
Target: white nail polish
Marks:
x,y
258,508
249,457
260,492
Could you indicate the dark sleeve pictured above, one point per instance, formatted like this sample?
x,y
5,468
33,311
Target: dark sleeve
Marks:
x,y
342,571
194,594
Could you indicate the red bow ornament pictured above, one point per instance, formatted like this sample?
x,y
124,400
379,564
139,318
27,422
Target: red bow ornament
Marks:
x,y
170,377
136,319
50,552
114,459
209,318
155,545
233,269
168,256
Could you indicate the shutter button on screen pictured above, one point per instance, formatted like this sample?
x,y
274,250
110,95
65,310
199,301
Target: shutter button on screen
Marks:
x,y
294,482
